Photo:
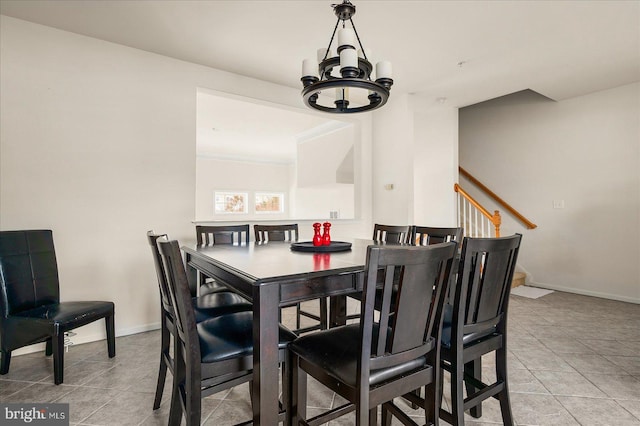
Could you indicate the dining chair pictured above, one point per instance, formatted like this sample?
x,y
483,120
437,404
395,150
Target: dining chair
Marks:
x,y
30,307
393,234
389,353
476,324
426,235
397,234
208,235
212,355
204,307
266,233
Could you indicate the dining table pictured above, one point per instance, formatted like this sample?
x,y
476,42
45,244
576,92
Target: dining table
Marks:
x,y
272,275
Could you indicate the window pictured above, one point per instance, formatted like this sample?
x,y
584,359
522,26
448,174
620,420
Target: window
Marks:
x,y
269,202
231,203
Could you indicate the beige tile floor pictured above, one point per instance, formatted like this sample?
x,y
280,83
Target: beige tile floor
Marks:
x,y
574,360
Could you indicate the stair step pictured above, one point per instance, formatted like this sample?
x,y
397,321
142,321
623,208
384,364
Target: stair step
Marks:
x,y
518,279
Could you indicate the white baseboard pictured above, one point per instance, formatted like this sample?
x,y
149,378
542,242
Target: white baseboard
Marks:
x,y
586,292
81,338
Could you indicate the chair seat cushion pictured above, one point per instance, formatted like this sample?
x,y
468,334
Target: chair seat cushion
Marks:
x,y
37,324
212,286
231,336
337,351
215,304
68,314
468,338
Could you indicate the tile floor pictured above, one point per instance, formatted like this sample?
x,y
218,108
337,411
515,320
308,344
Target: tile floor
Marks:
x,y
574,360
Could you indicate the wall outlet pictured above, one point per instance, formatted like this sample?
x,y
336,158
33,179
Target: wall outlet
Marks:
x,y
558,204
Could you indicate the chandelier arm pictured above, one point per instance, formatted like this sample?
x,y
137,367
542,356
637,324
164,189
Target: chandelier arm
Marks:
x,y
358,37
331,41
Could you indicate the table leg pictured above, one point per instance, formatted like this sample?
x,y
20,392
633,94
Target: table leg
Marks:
x,y
337,311
192,275
265,354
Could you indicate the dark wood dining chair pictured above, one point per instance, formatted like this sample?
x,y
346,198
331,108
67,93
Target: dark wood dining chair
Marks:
x,y
266,233
396,234
426,235
392,234
212,355
389,353
208,235
30,307
476,324
205,307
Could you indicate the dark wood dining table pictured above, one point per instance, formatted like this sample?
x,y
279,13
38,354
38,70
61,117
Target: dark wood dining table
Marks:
x,y
271,275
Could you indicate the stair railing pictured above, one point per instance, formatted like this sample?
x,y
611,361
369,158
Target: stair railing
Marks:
x,y
475,219
490,193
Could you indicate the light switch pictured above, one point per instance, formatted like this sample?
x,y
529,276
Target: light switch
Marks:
x,y
558,204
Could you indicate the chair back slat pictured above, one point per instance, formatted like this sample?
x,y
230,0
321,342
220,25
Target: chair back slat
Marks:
x,y
265,233
425,235
216,235
405,327
394,234
484,282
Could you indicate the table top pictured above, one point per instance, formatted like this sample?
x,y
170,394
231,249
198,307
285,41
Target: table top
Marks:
x,y
272,261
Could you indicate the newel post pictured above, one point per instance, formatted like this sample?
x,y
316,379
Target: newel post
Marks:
x,y
497,221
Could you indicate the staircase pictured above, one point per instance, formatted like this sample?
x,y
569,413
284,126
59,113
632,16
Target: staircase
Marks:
x,y
518,279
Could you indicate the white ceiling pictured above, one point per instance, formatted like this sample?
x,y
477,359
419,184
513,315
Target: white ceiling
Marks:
x,y
560,49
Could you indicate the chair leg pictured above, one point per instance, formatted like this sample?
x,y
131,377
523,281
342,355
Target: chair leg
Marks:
x,y
474,369
58,358
373,416
298,392
5,360
503,397
193,405
457,396
165,341
298,317
111,335
324,314
386,416
48,351
431,403
175,412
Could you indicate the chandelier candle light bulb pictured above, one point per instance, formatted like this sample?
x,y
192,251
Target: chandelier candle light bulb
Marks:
x,y
309,68
383,70
346,38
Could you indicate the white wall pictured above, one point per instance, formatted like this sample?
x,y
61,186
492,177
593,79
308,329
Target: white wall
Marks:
x,y
416,150
97,142
585,151
435,166
393,137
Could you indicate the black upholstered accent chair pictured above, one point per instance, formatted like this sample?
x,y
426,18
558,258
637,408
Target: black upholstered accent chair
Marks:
x,y
30,307
476,324
207,235
212,355
266,233
376,360
204,307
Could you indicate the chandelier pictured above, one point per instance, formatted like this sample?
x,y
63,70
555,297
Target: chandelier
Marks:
x,y
349,69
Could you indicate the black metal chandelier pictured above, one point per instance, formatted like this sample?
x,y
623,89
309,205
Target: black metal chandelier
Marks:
x,y
349,69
